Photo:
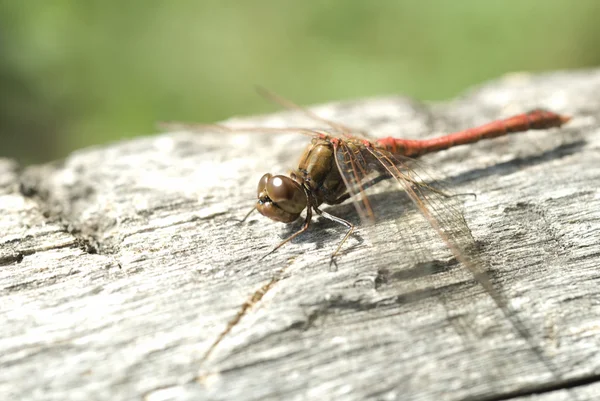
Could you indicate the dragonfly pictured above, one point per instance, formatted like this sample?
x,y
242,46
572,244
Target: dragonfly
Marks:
x,y
341,163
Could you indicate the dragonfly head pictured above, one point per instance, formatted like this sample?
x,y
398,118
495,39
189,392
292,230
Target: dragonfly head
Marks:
x,y
280,198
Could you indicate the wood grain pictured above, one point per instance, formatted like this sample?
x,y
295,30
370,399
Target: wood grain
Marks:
x,y
124,274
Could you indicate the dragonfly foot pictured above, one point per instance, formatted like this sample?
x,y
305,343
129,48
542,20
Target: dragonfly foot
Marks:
x,y
333,263
268,253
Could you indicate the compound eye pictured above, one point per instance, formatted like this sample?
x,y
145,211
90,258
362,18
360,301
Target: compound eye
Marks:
x,y
280,198
262,184
281,188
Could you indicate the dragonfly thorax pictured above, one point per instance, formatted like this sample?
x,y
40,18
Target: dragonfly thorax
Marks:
x,y
319,172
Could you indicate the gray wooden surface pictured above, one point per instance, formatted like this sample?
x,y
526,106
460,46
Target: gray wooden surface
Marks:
x,y
124,275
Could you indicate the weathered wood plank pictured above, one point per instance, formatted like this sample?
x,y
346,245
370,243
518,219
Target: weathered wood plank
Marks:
x,y
122,267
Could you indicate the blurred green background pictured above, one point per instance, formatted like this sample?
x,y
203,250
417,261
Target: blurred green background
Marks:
x,y
75,73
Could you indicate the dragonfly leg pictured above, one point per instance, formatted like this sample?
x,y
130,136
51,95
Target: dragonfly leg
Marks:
x,y
246,216
384,177
366,185
341,221
294,235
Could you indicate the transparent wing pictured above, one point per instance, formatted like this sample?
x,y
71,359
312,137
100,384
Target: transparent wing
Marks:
x,y
355,172
202,128
337,128
441,210
360,166
340,129
443,213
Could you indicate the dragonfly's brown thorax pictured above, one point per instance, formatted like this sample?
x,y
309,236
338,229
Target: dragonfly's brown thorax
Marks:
x,y
315,181
317,169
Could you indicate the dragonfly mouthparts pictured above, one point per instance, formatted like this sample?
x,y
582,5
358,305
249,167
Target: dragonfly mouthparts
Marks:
x,y
263,200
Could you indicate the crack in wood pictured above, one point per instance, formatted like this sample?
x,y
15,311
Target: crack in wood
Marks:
x,y
243,310
29,187
566,385
14,257
17,255
40,282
